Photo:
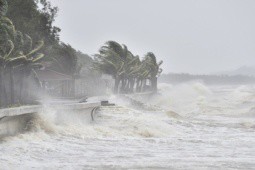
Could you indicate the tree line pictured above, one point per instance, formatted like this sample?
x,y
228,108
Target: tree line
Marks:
x,y
128,70
36,19
19,57
29,41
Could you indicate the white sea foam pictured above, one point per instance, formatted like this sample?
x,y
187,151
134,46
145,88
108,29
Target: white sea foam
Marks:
x,y
195,127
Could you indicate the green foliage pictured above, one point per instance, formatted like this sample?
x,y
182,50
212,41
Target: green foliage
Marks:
x,y
3,8
63,58
16,52
35,18
151,64
38,23
116,60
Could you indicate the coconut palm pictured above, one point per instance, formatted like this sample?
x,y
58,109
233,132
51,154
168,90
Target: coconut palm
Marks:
x,y
15,52
112,59
127,70
26,64
7,32
153,68
132,70
143,75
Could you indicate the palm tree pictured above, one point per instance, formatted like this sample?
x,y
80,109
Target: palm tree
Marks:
x,y
133,67
144,72
127,70
26,64
15,52
154,69
7,32
112,59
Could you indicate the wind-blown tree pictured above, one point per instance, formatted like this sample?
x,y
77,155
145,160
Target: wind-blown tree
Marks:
x,y
15,52
142,75
35,18
3,60
64,59
26,65
7,34
127,70
133,68
3,37
153,68
111,60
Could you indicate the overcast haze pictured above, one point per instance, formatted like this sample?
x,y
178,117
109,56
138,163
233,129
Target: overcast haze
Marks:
x,y
195,36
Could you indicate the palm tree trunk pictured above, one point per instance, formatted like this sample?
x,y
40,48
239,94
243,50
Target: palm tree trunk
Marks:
x,y
127,87
143,85
123,85
132,84
138,85
116,85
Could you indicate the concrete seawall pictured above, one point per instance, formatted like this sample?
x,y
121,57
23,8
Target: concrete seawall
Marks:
x,y
16,120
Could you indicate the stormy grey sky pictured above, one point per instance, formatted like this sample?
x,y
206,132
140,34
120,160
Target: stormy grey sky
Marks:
x,y
195,36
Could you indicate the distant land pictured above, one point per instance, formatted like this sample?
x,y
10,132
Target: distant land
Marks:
x,y
244,70
242,75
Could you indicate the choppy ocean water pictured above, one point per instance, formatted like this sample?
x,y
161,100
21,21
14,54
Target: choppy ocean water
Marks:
x,y
189,126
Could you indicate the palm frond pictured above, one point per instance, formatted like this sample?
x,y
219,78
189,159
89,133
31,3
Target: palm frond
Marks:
x,y
160,63
38,57
16,61
11,47
27,43
37,48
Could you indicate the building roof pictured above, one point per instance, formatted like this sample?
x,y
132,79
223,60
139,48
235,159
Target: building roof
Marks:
x,y
51,75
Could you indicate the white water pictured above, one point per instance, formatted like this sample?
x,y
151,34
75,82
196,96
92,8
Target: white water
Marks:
x,y
193,127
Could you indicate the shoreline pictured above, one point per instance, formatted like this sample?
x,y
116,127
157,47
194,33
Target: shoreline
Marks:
x,y
15,120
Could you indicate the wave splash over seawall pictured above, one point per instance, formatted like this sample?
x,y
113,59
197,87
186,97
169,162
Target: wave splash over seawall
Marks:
x,y
190,126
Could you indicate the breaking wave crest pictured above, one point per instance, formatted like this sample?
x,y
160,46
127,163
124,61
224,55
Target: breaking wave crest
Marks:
x,y
174,107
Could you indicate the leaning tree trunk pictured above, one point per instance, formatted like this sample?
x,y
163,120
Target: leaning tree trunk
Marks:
x,y
123,85
127,86
132,84
138,85
143,85
116,85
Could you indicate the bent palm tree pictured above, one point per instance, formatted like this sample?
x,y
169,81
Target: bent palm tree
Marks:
x,y
26,64
154,69
7,32
112,59
15,52
116,60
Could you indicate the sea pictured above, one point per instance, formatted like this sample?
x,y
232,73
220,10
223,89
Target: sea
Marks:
x,y
185,126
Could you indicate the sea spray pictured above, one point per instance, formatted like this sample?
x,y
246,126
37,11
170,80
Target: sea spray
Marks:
x,y
204,127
